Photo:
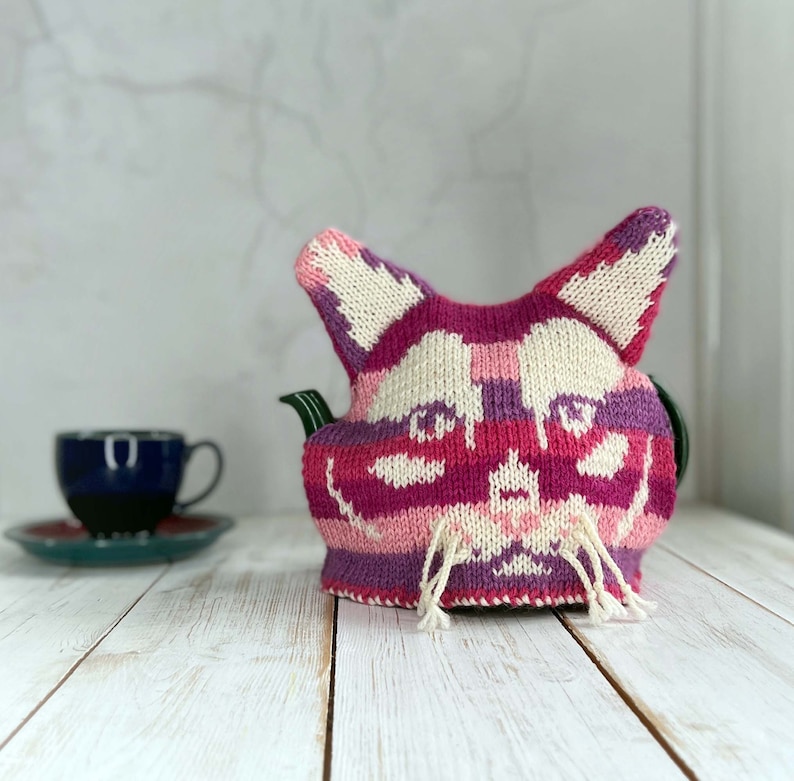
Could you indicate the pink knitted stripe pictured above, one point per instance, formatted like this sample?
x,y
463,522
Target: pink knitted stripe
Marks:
x,y
495,361
363,393
634,379
646,528
410,531
350,247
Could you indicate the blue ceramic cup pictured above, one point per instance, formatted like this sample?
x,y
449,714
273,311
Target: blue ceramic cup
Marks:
x,y
125,482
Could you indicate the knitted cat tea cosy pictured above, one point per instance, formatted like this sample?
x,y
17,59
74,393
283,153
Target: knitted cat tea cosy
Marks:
x,y
508,454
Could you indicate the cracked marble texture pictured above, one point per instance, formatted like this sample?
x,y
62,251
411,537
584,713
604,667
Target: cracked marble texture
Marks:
x,y
162,163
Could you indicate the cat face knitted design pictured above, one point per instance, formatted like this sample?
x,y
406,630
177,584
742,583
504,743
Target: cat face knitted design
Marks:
x,y
505,454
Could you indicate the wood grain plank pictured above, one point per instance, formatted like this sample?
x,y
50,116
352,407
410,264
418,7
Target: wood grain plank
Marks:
x,y
711,669
502,694
220,671
751,557
50,619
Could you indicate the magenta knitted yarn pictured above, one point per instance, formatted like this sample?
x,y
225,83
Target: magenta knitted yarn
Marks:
x,y
491,455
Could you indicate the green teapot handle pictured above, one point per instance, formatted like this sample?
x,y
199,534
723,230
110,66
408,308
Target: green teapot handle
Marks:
x,y
680,431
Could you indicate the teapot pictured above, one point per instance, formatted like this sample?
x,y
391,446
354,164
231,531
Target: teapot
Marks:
x,y
493,454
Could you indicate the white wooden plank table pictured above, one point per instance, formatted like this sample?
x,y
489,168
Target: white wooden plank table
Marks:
x,y
232,664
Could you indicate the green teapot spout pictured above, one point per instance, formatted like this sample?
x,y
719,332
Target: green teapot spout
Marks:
x,y
310,405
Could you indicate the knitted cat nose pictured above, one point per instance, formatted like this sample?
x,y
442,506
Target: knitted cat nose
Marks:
x,y
514,488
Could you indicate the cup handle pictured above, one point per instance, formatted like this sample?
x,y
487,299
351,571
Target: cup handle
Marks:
x,y
189,450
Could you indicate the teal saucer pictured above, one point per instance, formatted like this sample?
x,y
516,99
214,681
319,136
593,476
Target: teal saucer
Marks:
x,y
67,541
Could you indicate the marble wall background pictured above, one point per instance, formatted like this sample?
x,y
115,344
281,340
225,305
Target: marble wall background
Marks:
x,y
162,162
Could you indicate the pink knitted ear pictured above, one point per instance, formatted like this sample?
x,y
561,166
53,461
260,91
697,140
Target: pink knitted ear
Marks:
x,y
617,285
357,294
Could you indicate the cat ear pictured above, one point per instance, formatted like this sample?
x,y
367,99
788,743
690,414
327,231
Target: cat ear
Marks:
x,y
617,285
357,294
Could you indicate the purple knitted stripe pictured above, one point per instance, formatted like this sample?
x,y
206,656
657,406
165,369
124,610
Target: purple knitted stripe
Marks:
x,y
501,400
404,570
359,432
427,420
633,233
351,353
637,408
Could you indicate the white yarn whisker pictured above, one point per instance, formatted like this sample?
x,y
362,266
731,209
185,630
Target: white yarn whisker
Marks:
x,y
432,589
603,605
